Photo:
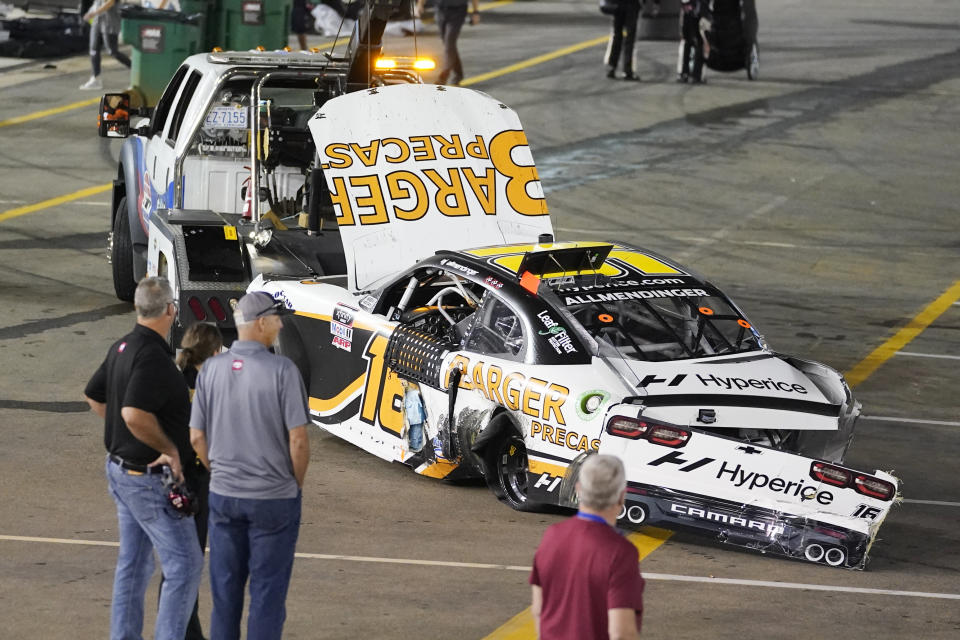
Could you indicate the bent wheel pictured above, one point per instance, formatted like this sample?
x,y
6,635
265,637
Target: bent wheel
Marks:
x,y
507,468
121,254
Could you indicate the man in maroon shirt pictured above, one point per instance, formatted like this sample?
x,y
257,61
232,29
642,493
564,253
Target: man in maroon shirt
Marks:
x,y
586,577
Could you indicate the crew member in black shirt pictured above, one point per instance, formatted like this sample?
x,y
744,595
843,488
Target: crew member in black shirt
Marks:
x,y
144,401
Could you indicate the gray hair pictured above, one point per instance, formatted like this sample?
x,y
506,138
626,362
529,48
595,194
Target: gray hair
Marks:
x,y
602,479
152,297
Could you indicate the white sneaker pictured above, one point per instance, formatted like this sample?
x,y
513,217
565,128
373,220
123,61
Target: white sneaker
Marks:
x,y
93,84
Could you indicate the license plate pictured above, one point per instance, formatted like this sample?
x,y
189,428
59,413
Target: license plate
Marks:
x,y
226,118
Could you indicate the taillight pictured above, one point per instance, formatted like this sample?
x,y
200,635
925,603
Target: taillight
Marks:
x,y
197,308
217,309
874,487
860,482
627,427
830,474
667,435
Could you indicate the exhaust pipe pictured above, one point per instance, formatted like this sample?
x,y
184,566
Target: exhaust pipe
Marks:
x,y
814,553
835,556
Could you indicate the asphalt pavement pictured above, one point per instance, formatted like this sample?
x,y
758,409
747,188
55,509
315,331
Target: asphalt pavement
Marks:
x,y
822,197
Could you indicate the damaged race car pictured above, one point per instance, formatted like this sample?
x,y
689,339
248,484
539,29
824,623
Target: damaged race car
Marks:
x,y
437,323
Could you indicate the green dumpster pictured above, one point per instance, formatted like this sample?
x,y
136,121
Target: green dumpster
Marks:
x,y
208,8
247,24
161,40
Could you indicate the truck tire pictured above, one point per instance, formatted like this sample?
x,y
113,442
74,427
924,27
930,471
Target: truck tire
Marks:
x,y
121,254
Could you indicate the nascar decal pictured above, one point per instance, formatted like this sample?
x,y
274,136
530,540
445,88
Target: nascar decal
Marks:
x,y
341,326
408,194
642,294
511,389
558,338
742,477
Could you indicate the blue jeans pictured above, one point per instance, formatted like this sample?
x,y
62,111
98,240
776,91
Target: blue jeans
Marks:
x,y
147,522
255,539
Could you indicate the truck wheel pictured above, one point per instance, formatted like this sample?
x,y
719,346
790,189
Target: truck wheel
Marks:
x,y
506,470
121,254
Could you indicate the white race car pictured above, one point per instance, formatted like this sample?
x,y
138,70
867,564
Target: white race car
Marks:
x,y
438,324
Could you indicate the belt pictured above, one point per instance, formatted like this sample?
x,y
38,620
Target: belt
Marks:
x,y
137,468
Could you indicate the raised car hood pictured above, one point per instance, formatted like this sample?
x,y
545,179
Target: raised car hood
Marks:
x,y
417,168
760,391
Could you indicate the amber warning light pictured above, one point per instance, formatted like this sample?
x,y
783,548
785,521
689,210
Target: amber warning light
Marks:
x,y
420,64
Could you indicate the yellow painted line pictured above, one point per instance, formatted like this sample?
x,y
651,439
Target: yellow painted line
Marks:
x,y
526,64
49,112
53,202
865,368
520,626
483,6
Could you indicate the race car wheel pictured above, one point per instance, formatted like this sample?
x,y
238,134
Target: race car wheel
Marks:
x,y
753,62
507,468
121,254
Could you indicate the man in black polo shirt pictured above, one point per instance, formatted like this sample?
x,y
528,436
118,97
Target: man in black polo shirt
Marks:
x,y
143,399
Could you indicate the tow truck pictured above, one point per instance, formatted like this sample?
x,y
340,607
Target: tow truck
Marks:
x,y
226,150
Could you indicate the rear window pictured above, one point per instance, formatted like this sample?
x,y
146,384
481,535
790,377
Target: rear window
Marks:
x,y
662,324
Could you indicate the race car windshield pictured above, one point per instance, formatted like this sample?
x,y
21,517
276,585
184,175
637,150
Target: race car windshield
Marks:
x,y
662,329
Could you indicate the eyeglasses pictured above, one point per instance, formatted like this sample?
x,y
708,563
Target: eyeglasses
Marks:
x,y
276,309
176,305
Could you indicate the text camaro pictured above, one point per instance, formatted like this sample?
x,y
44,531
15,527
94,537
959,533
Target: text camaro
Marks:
x,y
454,335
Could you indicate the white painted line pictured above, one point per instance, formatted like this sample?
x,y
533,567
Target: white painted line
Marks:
x,y
93,543
794,585
926,355
509,567
939,503
944,423
426,563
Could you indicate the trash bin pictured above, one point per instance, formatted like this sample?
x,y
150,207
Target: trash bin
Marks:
x,y
247,24
161,40
209,9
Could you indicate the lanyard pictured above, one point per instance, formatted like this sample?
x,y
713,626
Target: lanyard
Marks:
x,y
591,516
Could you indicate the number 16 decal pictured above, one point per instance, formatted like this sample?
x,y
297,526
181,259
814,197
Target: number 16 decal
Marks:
x,y
382,392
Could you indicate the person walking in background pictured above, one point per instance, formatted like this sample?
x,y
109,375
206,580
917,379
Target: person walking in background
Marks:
x,y
249,427
200,342
104,30
622,39
450,16
143,400
586,578
299,22
691,55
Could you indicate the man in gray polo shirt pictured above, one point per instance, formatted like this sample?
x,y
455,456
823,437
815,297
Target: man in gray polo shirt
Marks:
x,y
249,426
